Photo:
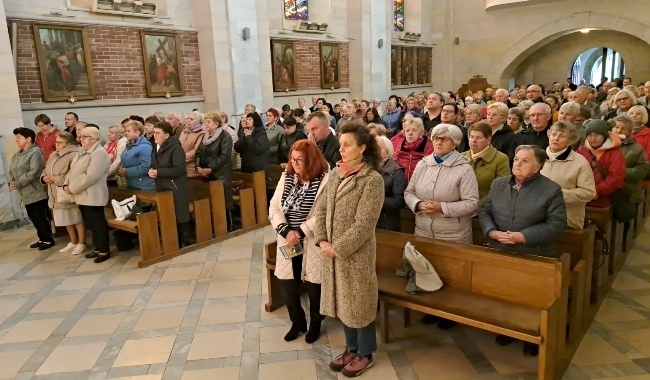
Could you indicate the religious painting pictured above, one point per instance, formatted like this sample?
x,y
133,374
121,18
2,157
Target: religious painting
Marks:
x,y
424,67
64,62
408,66
329,66
393,65
296,10
284,75
162,63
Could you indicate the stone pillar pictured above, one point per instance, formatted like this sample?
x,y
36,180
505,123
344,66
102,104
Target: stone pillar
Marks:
x,y
230,66
369,64
11,213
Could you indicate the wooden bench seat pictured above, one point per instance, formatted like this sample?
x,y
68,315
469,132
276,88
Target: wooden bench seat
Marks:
x,y
257,182
208,206
468,308
275,172
524,297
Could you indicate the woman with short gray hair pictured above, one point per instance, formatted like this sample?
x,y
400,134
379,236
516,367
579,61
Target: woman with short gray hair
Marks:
x,y
411,145
443,193
636,162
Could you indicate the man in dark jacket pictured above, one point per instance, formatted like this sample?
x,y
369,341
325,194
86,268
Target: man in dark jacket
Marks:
x,y
540,121
318,131
431,116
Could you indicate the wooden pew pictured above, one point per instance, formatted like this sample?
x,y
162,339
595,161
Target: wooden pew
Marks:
x,y
602,217
275,172
156,230
275,297
257,182
208,205
523,297
646,188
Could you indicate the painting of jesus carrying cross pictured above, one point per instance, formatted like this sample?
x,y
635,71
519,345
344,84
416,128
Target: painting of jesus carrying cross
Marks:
x,y
161,64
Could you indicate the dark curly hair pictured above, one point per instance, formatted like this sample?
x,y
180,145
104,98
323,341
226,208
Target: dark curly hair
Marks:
x,y
363,137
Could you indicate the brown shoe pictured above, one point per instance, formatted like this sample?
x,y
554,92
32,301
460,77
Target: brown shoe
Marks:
x,y
357,366
342,360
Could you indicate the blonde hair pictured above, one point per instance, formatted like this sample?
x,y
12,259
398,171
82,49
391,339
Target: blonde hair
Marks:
x,y
118,128
642,110
385,142
214,116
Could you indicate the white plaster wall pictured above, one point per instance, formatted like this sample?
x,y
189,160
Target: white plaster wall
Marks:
x,y
486,37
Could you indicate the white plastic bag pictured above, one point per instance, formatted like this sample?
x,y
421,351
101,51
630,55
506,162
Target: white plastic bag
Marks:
x,y
122,209
422,276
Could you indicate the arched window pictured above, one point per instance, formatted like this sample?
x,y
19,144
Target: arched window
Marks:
x,y
295,10
398,15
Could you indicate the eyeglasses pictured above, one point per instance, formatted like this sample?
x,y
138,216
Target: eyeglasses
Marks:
x,y
535,115
448,111
442,139
619,99
298,161
158,133
85,137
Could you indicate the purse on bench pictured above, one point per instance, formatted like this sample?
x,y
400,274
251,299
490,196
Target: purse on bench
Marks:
x,y
421,275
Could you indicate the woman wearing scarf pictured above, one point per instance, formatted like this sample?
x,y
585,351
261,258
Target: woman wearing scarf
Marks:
x,y
292,215
214,156
602,150
641,131
190,139
346,237
394,186
114,147
636,167
571,171
524,213
411,145
487,162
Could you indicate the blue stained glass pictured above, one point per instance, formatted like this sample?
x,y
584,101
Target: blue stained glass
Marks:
x,y
296,10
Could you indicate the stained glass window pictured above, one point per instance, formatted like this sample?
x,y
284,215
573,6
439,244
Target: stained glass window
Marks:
x,y
295,10
398,15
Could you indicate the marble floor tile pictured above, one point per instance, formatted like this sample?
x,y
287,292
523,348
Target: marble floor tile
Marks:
x,y
212,314
24,287
131,277
8,306
204,345
234,288
100,324
594,350
145,351
84,357
57,304
639,339
293,370
233,269
272,340
172,293
12,362
225,373
116,298
28,331
614,311
182,273
160,318
446,362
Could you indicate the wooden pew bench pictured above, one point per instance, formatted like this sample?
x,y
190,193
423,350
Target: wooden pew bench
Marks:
x,y
252,198
523,297
603,218
208,205
156,230
275,172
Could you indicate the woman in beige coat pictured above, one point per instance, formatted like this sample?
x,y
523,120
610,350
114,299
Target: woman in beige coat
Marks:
x,y
86,182
571,171
66,213
191,138
292,215
345,229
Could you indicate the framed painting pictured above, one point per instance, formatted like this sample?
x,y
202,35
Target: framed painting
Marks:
x,y
64,62
284,74
162,57
393,65
329,66
408,65
424,66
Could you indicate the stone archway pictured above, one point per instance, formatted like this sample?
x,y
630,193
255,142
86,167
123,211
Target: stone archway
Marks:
x,y
505,67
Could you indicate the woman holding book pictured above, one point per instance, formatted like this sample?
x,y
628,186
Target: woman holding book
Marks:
x,y
299,259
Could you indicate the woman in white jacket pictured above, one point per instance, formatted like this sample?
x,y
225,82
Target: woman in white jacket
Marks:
x,y
292,217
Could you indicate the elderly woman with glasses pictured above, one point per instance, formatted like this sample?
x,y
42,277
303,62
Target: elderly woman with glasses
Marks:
x,y
636,167
524,213
86,182
624,100
641,130
443,193
411,145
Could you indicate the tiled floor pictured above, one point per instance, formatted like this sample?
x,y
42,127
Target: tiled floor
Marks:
x,y
201,316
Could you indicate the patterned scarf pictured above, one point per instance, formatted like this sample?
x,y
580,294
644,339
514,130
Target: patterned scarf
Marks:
x,y
296,195
210,139
197,128
110,148
479,154
346,169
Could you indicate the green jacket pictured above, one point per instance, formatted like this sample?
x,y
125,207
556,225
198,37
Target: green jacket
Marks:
x,y
25,172
636,169
490,166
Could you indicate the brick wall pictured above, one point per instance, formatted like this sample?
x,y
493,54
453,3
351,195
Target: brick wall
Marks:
x,y
117,62
308,69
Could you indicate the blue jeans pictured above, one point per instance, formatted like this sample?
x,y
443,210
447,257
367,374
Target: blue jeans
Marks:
x,y
363,340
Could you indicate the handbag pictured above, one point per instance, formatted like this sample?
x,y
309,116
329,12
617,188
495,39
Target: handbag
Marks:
x,y
62,197
140,208
624,209
122,209
422,277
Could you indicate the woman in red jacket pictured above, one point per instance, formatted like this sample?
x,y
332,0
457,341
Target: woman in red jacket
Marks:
x,y
603,148
411,145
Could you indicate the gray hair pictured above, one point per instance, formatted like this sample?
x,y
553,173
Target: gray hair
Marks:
x,y
546,107
416,121
561,126
392,102
453,131
502,91
502,107
118,128
538,153
93,132
199,117
474,108
175,115
625,120
321,116
572,106
386,144
642,110
525,103
66,136
630,93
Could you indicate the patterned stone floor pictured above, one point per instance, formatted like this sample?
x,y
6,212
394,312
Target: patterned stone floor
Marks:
x,y
201,316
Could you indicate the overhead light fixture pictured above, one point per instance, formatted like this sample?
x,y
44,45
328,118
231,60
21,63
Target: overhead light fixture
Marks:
x,y
585,30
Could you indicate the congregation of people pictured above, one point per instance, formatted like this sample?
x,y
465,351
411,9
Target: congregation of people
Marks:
x,y
525,162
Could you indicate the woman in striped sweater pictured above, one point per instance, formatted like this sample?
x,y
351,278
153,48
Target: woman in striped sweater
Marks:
x,y
292,216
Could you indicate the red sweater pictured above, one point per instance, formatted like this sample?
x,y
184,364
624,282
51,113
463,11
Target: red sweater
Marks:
x,y
409,158
47,143
643,138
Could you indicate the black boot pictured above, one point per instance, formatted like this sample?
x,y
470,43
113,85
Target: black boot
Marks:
x,y
296,329
186,235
